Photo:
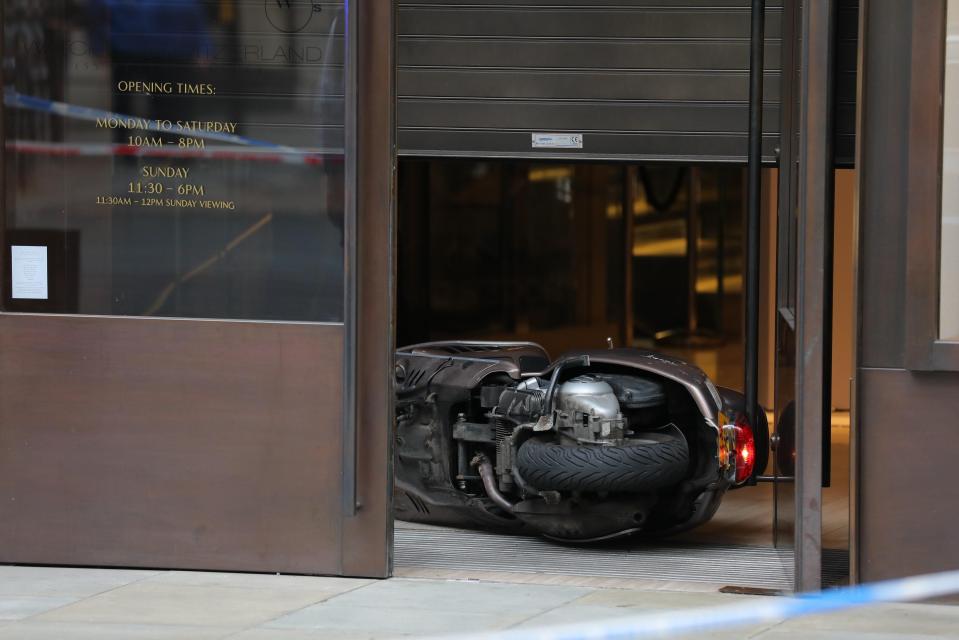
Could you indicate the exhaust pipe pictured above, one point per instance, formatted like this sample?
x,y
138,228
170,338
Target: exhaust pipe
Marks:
x,y
485,469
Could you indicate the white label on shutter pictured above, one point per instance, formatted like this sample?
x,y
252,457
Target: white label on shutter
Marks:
x,y
557,141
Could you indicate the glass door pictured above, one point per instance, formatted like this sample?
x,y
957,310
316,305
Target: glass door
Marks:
x,y
177,218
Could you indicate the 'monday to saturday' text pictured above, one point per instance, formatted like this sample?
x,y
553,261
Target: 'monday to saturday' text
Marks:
x,y
175,126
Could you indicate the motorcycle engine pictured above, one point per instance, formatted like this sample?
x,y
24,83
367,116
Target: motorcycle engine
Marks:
x,y
588,411
606,408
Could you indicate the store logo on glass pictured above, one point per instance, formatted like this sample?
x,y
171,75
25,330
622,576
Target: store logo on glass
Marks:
x,y
290,16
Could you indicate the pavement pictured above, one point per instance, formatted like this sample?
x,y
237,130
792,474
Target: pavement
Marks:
x,y
48,603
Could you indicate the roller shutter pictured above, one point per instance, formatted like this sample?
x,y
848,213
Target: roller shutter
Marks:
x,y
638,79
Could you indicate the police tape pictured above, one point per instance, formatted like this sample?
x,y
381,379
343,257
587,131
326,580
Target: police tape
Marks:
x,y
111,120
756,611
64,150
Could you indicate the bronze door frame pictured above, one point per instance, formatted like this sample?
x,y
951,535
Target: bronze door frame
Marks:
x,y
805,272
368,503
814,273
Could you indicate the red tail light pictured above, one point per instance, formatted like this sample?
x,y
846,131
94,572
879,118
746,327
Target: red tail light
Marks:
x,y
745,451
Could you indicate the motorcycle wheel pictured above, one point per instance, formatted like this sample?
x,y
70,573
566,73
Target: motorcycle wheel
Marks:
x,y
652,462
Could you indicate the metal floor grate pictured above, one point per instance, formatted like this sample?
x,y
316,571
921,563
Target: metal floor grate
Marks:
x,y
418,547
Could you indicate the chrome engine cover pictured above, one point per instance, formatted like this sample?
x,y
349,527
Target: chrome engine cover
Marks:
x,y
588,411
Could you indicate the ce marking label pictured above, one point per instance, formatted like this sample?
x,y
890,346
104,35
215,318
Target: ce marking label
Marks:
x,y
557,141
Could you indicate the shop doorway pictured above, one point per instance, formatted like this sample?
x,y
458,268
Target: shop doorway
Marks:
x,y
573,254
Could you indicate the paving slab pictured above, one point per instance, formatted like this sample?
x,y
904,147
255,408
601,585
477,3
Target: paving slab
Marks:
x,y
573,615
179,604
34,630
742,633
312,584
617,603
65,582
903,619
785,634
461,595
314,634
637,601
20,607
335,620
576,613
422,607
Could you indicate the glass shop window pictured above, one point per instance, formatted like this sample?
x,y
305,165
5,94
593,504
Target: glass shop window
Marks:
x,y
174,158
949,235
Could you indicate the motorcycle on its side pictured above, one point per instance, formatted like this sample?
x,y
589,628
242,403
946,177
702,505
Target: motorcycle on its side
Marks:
x,y
591,446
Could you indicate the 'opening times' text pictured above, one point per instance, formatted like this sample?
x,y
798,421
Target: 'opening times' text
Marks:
x,y
165,185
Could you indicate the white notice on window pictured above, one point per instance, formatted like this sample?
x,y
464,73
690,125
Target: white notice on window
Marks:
x,y
557,141
29,272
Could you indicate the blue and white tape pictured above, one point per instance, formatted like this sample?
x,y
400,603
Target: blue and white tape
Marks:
x,y
217,152
756,611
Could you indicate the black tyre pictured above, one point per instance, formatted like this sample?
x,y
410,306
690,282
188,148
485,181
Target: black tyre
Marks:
x,y
652,462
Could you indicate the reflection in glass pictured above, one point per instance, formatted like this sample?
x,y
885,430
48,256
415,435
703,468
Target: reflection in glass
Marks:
x,y
179,158
949,267
524,250
568,254
687,257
